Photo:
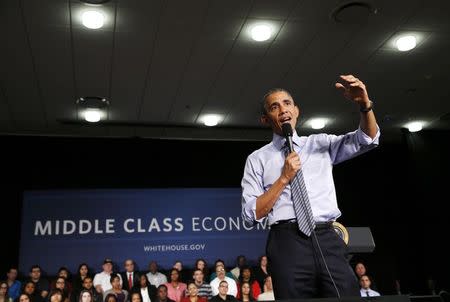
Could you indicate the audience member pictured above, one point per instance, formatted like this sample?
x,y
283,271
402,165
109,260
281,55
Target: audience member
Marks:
x,y
366,291
24,297
60,285
56,295
82,272
247,276
4,297
193,294
222,293
162,294
102,281
136,297
231,284
130,277
116,288
214,275
85,296
175,288
41,284
240,262
261,272
204,289
146,289
29,288
14,285
268,294
245,292
156,278
203,266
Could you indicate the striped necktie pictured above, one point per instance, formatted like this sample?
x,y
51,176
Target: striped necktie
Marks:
x,y
300,199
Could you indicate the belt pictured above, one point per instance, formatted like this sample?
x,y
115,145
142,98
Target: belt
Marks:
x,y
293,222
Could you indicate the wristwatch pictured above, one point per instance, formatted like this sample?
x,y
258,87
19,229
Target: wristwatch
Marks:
x,y
361,109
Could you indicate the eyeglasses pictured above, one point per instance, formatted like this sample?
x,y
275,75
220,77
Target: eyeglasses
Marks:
x,y
4,287
60,282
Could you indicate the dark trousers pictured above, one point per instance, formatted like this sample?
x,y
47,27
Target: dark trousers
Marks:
x,y
297,268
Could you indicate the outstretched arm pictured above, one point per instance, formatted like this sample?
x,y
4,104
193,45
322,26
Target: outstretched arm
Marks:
x,y
355,90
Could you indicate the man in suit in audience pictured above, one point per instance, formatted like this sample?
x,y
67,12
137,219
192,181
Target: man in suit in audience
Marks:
x,y
130,277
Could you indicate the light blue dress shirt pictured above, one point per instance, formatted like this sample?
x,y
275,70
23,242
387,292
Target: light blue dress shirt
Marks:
x,y
318,153
369,293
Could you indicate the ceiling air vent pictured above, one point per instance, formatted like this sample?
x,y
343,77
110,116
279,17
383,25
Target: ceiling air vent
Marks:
x,y
355,12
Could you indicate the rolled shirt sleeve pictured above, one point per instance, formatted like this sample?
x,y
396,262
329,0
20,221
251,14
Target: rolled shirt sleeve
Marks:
x,y
252,188
344,147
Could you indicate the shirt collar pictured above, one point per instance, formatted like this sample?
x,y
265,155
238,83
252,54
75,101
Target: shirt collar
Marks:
x,y
279,141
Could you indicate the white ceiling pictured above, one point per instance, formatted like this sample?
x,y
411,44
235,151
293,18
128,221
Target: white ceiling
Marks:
x,y
164,63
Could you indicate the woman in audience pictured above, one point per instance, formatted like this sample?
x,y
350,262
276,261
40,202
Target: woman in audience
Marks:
x,y
82,272
261,272
246,276
60,283
56,295
121,294
85,296
4,292
63,272
184,274
360,270
136,297
192,294
29,288
110,298
145,289
246,293
24,298
175,288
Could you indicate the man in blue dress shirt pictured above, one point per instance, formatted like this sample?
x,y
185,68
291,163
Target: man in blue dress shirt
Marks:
x,y
296,265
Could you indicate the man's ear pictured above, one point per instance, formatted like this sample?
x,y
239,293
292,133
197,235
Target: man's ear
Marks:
x,y
264,120
296,111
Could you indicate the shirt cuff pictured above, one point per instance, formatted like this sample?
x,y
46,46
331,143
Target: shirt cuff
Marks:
x,y
249,213
364,139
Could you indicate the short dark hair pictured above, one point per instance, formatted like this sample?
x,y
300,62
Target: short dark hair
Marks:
x,y
217,261
114,276
35,266
162,286
269,93
12,268
196,269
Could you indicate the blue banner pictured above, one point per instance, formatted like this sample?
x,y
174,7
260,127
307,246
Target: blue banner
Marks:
x,y
66,228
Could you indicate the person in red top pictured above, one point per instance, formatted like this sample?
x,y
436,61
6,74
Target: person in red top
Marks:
x,y
193,296
246,276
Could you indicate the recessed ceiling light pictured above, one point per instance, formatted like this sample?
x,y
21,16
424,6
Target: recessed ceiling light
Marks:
x,y
317,123
406,43
92,108
95,2
415,126
211,119
261,32
92,115
93,19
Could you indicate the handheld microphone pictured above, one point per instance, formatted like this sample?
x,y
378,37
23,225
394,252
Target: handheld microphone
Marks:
x,y
287,132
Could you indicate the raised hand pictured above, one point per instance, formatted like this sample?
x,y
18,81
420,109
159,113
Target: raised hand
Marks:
x,y
353,89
